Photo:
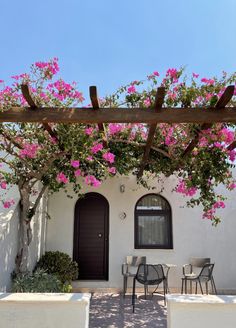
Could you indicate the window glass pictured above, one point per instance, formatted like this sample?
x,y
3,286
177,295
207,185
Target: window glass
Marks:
x,y
153,228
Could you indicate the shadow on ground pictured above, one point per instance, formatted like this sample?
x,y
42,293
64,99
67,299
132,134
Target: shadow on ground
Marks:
x,y
114,311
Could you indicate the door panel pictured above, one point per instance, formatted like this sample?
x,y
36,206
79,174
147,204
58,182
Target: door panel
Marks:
x,y
91,236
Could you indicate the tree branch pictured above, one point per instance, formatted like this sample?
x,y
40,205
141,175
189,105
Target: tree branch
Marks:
x,y
33,209
143,144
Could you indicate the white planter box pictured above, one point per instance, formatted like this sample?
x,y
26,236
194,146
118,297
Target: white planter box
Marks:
x,y
39,310
211,311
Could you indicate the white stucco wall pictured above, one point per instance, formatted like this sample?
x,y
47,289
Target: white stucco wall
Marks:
x,y
9,228
184,311
42,310
192,236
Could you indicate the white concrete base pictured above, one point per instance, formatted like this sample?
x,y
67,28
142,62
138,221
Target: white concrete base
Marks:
x,y
195,311
39,310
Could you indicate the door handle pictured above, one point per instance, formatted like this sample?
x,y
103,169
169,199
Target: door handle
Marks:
x,y
99,235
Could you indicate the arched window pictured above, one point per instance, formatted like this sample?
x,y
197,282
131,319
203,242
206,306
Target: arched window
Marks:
x,y
153,222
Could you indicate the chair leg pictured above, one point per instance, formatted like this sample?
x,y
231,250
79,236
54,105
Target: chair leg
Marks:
x,y
164,290
213,286
196,288
185,283
145,291
182,286
133,295
191,285
125,285
200,286
207,287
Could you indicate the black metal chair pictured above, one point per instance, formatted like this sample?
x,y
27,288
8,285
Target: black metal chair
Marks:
x,y
194,267
149,275
203,277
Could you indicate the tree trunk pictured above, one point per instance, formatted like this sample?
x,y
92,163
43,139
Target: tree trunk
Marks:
x,y
25,233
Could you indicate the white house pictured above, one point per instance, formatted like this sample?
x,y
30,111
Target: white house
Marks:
x,y
121,218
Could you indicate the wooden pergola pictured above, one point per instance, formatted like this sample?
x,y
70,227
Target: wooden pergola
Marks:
x,y
205,116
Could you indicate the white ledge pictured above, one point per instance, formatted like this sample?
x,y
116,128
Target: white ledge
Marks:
x,y
198,299
45,297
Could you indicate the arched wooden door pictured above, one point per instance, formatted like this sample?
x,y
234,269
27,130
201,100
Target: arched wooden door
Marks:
x,y
91,236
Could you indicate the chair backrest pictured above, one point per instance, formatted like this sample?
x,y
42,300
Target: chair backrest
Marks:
x,y
199,262
206,272
134,261
151,274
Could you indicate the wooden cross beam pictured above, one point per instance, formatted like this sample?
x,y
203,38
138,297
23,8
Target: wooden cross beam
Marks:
x,y
159,100
232,145
84,115
222,102
95,104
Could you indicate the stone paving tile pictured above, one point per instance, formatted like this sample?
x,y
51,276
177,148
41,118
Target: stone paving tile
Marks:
x,y
114,311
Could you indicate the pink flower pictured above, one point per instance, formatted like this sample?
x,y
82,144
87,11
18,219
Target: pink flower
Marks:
x,y
226,135
89,158
183,189
109,157
92,181
173,74
89,131
208,81
8,203
75,163
96,148
218,145
29,150
208,96
232,186
131,89
219,204
153,75
147,102
195,75
112,170
232,155
3,185
53,140
62,178
1,81
115,128
21,76
48,68
171,95
78,173
209,214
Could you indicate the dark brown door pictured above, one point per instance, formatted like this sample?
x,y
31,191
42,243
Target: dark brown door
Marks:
x,y
91,231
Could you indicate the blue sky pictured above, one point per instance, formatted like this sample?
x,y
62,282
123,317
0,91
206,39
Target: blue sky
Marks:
x,y
111,42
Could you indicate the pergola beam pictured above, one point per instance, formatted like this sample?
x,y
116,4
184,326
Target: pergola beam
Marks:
x,y
232,145
159,100
95,103
119,115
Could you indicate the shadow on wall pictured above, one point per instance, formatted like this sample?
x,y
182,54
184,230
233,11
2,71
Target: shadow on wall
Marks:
x,y
9,226
9,236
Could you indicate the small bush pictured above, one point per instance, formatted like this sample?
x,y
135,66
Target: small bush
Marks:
x,y
60,264
39,282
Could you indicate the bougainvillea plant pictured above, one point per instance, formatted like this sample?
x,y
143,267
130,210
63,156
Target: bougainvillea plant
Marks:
x,y
79,153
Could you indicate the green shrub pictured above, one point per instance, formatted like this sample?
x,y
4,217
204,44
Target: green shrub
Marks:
x,y
39,282
60,264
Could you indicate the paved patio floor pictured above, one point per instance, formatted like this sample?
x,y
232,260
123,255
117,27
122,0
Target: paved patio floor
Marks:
x,y
114,311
